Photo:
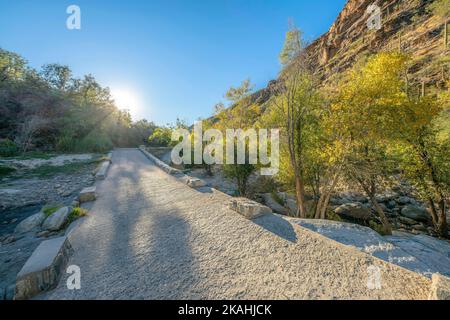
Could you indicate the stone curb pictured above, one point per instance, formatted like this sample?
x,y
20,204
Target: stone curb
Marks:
x,y
248,208
88,194
188,180
168,169
43,270
103,170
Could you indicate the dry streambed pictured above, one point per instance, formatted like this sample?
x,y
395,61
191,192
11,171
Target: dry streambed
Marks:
x,y
54,181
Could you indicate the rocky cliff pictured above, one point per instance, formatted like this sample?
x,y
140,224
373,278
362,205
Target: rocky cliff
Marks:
x,y
406,25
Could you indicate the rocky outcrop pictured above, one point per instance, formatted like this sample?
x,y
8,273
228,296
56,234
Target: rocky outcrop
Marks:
x,y
405,25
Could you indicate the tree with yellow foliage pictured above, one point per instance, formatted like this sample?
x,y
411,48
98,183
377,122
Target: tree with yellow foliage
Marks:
x,y
378,119
361,113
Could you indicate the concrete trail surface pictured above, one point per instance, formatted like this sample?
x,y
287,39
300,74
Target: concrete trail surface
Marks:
x,y
149,236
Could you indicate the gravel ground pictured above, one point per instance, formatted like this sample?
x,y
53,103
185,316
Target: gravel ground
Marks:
x,y
148,236
53,161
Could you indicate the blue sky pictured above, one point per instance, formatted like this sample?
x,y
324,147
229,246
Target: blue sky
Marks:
x,y
169,58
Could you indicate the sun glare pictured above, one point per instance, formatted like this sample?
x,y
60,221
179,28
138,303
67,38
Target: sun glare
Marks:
x,y
126,99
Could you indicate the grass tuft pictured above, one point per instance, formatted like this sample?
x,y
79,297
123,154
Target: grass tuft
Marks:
x,y
48,210
75,214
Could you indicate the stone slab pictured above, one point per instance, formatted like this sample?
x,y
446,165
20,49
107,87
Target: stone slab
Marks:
x,y
103,170
88,194
248,208
43,269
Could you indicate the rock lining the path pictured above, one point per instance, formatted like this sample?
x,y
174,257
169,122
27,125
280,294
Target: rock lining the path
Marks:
x,y
103,170
248,208
43,269
88,194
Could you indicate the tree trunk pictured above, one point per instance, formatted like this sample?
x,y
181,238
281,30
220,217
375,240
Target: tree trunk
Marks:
x,y
323,211
442,227
300,194
434,214
324,199
387,229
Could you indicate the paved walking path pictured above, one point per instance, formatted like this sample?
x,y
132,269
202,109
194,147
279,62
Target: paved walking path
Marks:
x,y
148,236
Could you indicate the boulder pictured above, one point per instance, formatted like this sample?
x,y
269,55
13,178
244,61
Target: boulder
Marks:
x,y
57,219
195,183
407,221
405,200
354,197
416,213
87,194
391,204
283,196
273,204
248,208
420,227
30,223
386,197
75,203
291,204
440,287
354,210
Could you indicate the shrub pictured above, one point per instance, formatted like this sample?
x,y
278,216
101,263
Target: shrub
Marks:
x,y
161,137
240,173
48,210
5,170
95,142
8,148
75,214
66,143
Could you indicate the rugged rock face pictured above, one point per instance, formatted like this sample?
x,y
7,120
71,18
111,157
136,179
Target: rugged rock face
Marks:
x,y
406,25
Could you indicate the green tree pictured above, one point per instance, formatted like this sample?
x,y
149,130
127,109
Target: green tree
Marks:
x,y
425,155
298,102
293,45
12,66
241,115
362,112
57,75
